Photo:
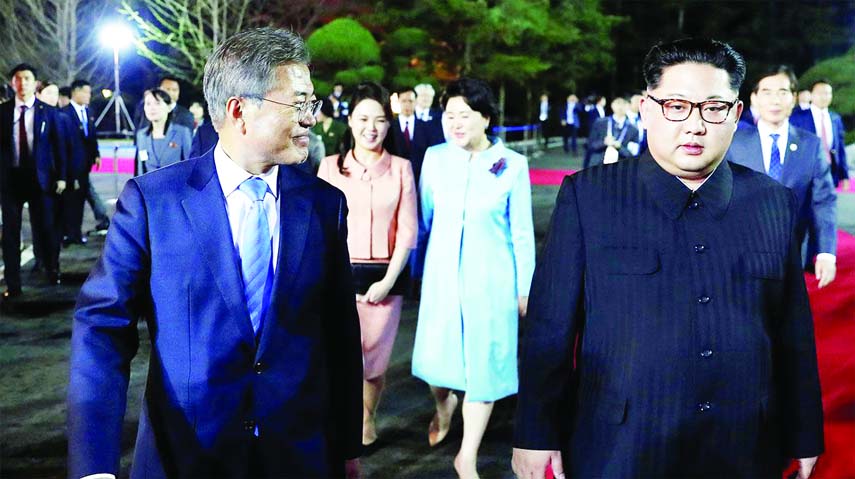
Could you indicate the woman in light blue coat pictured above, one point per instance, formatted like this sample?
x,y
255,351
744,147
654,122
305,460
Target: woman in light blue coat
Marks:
x,y
477,223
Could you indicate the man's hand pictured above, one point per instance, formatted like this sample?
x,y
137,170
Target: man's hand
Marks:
x,y
352,469
531,464
522,304
845,184
60,187
825,269
97,162
806,467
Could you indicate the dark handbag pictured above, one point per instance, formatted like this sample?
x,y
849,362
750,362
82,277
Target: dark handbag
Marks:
x,y
366,274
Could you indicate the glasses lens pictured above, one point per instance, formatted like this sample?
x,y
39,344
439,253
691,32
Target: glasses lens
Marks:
x,y
677,110
714,111
316,107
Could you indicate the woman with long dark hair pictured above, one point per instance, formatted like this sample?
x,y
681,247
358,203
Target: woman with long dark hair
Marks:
x,y
382,229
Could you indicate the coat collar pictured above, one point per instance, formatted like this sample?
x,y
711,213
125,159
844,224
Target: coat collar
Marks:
x,y
673,197
368,172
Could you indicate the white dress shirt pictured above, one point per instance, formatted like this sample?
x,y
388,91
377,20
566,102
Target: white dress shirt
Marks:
x,y
29,119
765,131
237,203
821,116
407,121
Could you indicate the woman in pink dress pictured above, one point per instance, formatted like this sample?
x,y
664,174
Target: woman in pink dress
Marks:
x,y
382,229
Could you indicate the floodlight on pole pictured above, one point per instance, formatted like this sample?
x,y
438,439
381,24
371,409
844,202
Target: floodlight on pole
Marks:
x,y
118,37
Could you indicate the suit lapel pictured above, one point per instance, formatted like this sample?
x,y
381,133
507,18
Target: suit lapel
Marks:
x,y
754,155
791,156
295,216
38,118
205,207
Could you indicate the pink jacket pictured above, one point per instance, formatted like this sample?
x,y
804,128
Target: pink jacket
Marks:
x,y
381,199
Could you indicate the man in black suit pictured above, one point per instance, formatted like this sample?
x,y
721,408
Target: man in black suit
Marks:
x,y
613,137
84,154
32,170
571,120
411,137
669,332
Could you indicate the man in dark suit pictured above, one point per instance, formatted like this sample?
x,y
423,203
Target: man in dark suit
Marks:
x,y
795,158
669,332
595,109
571,121
84,154
256,359
33,161
411,137
613,137
828,126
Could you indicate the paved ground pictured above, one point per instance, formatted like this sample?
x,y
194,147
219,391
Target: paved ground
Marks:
x,y
34,346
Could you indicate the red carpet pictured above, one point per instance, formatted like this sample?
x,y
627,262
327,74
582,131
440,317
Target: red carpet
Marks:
x,y
834,319
543,177
122,165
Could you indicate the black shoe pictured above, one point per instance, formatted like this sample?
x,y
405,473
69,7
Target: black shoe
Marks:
x,y
54,279
38,266
102,226
10,294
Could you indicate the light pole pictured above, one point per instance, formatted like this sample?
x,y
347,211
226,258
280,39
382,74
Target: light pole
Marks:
x,y
117,36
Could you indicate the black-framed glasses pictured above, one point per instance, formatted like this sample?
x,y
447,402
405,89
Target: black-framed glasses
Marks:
x,y
312,107
712,111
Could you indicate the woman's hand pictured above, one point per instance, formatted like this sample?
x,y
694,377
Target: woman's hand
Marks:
x,y
377,292
523,306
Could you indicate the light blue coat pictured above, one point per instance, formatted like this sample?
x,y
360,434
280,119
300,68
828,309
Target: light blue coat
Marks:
x,y
479,260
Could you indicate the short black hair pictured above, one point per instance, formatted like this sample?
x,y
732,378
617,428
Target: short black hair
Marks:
x,y
22,67
693,50
476,93
405,89
775,71
168,77
79,83
327,109
65,91
821,81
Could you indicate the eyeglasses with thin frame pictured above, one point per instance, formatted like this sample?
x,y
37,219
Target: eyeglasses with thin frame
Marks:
x,y
712,111
312,107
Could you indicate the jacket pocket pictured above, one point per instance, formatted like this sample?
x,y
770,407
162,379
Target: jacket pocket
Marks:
x,y
611,409
763,265
628,261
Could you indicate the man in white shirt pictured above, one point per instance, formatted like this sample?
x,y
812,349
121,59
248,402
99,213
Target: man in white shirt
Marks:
x,y
33,162
238,263
828,126
793,157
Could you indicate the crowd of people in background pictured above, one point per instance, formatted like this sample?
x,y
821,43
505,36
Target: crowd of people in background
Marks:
x,y
412,181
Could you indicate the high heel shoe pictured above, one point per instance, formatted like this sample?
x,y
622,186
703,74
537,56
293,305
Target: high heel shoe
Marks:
x,y
441,424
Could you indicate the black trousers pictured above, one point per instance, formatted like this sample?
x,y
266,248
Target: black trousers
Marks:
x,y
73,201
23,187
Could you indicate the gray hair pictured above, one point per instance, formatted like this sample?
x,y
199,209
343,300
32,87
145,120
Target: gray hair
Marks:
x,y
423,88
244,65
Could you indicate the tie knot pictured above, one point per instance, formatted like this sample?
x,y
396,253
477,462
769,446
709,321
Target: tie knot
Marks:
x,y
23,109
254,187
775,136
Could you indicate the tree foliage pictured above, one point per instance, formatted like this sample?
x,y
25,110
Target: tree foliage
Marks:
x,y
345,52
56,37
179,35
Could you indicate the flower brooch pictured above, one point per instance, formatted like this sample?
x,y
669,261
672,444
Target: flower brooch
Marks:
x,y
499,167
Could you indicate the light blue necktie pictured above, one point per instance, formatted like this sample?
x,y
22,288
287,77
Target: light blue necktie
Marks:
x,y
775,165
84,120
255,251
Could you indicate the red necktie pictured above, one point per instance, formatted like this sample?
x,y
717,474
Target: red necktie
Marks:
x,y
23,144
823,135
407,139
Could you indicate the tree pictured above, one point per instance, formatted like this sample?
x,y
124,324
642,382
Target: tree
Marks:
x,y
50,35
179,35
343,51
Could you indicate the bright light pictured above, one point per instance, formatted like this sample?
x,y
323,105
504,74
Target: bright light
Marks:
x,y
116,35
106,93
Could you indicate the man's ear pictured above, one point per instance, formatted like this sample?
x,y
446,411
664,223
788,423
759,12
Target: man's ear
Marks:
x,y
739,107
234,114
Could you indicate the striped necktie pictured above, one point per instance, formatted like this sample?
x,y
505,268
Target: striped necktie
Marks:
x,y
256,251
775,164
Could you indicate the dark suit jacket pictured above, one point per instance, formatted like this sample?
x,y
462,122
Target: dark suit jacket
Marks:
x,y
598,135
169,258
696,353
204,140
49,150
805,173
84,148
804,119
425,135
